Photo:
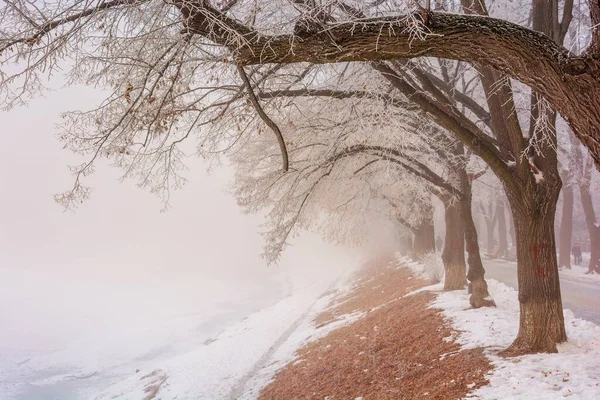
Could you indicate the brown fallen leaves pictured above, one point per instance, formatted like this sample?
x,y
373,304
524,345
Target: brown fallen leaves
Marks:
x,y
396,351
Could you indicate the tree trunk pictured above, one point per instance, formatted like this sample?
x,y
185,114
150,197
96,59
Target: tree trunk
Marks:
x,y
424,241
480,296
594,265
513,239
502,239
453,255
541,325
566,223
590,218
533,202
490,226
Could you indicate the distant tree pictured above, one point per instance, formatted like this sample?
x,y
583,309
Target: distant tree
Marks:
x,y
592,221
344,125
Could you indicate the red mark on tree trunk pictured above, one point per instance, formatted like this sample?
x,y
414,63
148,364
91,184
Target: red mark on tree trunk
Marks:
x,y
540,269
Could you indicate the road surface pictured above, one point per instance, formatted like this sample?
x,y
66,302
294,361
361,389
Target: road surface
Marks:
x,y
583,298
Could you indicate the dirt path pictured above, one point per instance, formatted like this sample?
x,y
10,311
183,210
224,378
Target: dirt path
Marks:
x,y
400,349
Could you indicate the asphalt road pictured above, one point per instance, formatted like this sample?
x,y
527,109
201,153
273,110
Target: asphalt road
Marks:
x,y
583,298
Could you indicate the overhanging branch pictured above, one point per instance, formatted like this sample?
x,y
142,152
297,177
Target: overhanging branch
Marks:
x,y
266,119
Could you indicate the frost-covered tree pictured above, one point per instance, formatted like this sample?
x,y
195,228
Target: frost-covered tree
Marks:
x,y
283,32
340,159
346,125
173,70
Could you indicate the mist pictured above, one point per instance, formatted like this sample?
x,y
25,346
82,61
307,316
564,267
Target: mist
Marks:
x,y
117,279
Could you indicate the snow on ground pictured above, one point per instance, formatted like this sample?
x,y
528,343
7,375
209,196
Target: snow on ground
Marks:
x,y
95,333
230,365
300,334
579,272
574,371
52,353
431,269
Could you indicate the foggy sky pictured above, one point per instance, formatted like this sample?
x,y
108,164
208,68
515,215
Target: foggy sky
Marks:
x,y
117,257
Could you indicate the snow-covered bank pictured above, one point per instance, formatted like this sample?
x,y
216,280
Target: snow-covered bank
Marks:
x,y
237,362
230,364
396,349
54,361
573,371
76,332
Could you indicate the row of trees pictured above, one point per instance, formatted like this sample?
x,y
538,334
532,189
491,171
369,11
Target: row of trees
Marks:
x,y
575,222
578,182
369,107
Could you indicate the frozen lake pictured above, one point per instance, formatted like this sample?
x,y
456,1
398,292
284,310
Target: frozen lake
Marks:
x,y
72,334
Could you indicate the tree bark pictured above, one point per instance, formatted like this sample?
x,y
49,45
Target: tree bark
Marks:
x,y
453,255
541,325
513,239
480,297
566,222
594,266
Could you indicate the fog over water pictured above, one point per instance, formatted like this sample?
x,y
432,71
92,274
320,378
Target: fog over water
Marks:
x,y
118,267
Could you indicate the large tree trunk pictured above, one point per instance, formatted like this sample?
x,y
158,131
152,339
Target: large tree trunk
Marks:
x,y
533,202
566,223
541,325
453,255
502,239
590,219
480,296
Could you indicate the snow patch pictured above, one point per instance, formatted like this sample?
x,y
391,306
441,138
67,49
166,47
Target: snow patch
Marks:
x,y
431,269
573,371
